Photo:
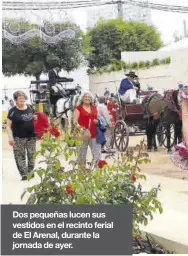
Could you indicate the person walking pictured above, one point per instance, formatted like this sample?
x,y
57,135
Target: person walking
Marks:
x,y
11,104
103,111
85,115
20,129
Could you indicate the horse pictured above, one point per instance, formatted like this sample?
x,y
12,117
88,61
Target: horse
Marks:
x,y
65,108
162,112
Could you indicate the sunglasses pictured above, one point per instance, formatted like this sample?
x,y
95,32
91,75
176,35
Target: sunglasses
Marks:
x,y
87,97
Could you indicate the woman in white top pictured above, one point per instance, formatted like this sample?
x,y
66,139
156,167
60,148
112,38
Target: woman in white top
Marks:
x,y
103,111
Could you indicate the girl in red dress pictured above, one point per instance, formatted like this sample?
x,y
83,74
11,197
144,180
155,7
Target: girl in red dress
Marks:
x,y
112,108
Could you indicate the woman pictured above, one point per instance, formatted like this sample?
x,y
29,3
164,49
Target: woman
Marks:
x,y
86,115
180,157
20,129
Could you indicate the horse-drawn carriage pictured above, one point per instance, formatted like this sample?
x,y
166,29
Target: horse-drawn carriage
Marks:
x,y
131,119
128,117
41,94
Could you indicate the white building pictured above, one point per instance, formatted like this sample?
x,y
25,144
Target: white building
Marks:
x,y
130,13
160,77
104,12
136,13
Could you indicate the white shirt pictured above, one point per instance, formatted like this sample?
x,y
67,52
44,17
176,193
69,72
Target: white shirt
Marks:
x,y
55,71
103,111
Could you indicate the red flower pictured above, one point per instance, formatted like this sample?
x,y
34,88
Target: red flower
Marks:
x,y
102,163
133,178
54,131
69,190
136,238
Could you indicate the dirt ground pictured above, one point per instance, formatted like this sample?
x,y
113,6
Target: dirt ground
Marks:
x,y
160,161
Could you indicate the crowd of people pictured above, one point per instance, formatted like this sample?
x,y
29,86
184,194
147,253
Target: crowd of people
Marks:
x,y
98,121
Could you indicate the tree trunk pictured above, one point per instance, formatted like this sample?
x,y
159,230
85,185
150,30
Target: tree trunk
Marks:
x,y
37,76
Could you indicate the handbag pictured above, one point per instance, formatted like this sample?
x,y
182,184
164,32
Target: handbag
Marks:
x,y
86,135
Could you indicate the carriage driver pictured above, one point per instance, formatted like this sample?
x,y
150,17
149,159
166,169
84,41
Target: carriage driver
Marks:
x,y
128,89
53,76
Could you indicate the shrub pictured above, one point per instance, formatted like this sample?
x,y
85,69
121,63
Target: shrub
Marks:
x,y
114,67
168,60
110,183
141,64
134,65
119,65
123,65
148,64
89,71
155,62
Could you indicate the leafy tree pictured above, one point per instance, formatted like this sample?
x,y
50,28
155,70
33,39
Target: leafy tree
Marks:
x,y
110,38
35,57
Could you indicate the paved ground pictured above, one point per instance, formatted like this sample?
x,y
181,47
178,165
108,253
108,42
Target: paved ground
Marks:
x,y
172,224
160,166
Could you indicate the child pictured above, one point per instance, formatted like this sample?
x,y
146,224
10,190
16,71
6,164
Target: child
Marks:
x,y
112,108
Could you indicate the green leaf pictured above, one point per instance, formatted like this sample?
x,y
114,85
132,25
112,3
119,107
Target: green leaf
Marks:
x,y
23,194
160,210
40,173
58,165
145,222
30,175
29,190
36,154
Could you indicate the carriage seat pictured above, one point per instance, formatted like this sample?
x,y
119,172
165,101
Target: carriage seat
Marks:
x,y
132,109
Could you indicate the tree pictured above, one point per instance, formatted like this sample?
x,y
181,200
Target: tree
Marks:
x,y
110,38
35,57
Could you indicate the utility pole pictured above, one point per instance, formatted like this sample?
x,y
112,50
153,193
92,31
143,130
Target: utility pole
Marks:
x,y
185,28
120,8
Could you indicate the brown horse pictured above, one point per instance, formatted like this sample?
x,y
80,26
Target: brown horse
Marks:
x,y
162,112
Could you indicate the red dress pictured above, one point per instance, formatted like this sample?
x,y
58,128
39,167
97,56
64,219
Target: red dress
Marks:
x,y
85,117
112,110
41,124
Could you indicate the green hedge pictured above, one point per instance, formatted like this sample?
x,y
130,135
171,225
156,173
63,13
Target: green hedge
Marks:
x,y
121,65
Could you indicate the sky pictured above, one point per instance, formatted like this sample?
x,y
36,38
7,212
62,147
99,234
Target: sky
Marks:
x,y
166,23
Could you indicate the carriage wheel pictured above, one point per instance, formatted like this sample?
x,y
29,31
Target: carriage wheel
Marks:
x,y
162,135
121,135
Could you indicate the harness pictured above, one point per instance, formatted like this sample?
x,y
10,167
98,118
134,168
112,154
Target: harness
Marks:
x,y
170,101
172,104
70,107
145,105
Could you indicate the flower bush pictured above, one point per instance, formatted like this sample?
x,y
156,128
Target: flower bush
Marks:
x,y
114,181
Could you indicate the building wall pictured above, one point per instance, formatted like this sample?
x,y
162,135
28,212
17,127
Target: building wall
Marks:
x,y
130,13
160,78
